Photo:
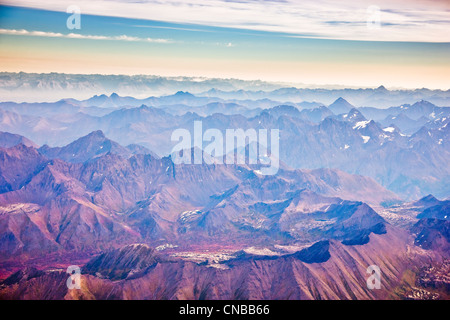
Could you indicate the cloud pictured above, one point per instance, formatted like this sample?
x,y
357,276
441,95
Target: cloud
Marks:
x,y
401,20
24,32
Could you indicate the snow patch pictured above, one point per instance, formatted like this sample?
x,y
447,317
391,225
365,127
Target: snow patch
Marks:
x,y
361,124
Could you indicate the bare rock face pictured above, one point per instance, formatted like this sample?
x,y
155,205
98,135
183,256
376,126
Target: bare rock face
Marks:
x,y
433,234
441,211
433,229
22,275
317,253
124,263
34,285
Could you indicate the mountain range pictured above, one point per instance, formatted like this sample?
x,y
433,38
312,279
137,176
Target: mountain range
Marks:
x,y
40,86
372,142
95,196
96,183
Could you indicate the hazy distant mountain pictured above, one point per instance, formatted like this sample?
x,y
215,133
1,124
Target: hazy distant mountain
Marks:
x,y
353,116
379,97
38,87
138,149
86,148
309,105
54,109
316,114
8,140
420,109
284,110
340,106
406,124
310,138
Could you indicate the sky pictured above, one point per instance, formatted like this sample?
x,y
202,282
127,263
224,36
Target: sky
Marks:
x,y
398,44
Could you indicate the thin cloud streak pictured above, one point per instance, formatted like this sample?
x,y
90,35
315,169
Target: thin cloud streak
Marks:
x,y
24,32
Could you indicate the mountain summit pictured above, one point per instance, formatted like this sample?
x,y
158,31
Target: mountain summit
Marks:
x,y
340,106
85,148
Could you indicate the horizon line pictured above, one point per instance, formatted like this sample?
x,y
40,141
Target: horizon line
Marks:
x,y
296,85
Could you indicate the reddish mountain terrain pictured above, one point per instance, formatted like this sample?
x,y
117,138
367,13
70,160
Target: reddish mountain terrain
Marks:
x,y
204,231
326,270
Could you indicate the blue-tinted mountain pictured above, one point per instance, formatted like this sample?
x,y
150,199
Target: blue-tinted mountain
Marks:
x,y
8,140
340,106
86,148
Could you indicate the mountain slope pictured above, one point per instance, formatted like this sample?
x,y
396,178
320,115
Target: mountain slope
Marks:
x,y
340,106
85,148
8,140
340,274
